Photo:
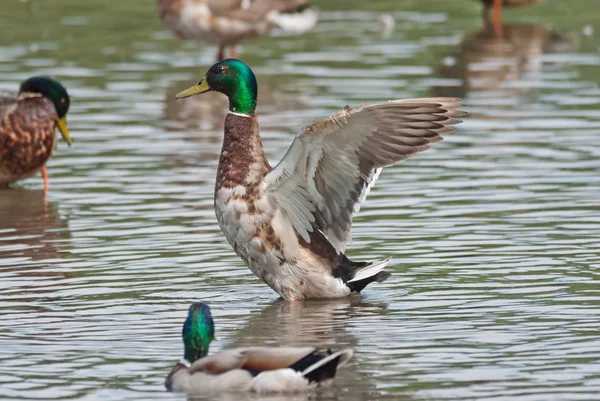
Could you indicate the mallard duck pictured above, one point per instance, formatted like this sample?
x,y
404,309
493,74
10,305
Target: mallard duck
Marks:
x,y
290,224
27,125
496,6
256,369
228,22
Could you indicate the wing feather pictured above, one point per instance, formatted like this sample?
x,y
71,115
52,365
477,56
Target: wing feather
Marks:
x,y
219,363
332,164
271,358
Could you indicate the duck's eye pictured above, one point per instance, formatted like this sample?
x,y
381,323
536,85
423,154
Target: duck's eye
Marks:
x,y
63,100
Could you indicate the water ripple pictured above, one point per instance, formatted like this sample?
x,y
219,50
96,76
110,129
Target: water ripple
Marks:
x,y
493,233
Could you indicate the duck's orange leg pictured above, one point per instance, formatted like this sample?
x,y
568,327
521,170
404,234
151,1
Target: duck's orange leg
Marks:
x,y
232,52
45,177
497,18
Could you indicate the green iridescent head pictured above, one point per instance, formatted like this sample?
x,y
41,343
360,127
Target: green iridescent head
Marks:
x,y
57,94
198,331
232,78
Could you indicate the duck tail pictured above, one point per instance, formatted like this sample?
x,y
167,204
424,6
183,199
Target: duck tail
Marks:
x,y
366,273
326,367
297,22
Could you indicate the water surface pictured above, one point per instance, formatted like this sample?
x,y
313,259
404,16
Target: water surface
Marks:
x,y
494,232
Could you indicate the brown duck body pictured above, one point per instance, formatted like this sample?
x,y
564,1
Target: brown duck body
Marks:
x,y
27,135
195,20
228,22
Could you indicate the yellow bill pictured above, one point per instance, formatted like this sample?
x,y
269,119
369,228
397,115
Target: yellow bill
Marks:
x,y
194,90
62,127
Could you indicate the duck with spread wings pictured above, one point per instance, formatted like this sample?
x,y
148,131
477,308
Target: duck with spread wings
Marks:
x,y
290,224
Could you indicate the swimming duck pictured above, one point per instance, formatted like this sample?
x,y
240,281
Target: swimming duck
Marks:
x,y
496,6
227,22
27,125
256,369
290,224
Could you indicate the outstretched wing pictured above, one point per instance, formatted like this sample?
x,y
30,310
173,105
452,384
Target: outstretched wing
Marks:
x,y
331,165
254,358
270,358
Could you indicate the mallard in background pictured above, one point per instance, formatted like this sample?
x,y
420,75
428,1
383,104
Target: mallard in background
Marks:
x,y
27,125
290,224
256,369
228,22
495,6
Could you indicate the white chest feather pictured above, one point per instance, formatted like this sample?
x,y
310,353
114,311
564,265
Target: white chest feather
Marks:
x,y
256,230
240,381
267,243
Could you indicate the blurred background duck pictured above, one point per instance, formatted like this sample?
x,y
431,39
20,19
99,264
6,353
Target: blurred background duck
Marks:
x,y
228,22
249,369
290,224
495,8
27,128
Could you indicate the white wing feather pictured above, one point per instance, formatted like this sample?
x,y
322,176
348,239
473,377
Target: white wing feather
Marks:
x,y
331,165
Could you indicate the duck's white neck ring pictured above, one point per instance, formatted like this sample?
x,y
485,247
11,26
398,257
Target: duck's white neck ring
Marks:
x,y
239,114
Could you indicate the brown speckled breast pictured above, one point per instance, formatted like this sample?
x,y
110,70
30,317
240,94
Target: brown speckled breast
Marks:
x,y
27,136
242,149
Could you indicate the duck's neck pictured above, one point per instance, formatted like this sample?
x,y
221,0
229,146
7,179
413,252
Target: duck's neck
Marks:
x,y
242,160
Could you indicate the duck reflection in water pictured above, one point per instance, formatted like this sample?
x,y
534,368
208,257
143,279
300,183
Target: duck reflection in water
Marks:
x,y
30,230
485,63
32,233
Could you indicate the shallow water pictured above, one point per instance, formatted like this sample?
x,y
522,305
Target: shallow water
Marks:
x,y
494,232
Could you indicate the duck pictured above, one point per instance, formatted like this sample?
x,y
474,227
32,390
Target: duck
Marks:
x,y
28,123
258,369
495,7
228,22
290,223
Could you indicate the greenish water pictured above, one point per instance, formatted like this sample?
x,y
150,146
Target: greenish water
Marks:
x,y
494,232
